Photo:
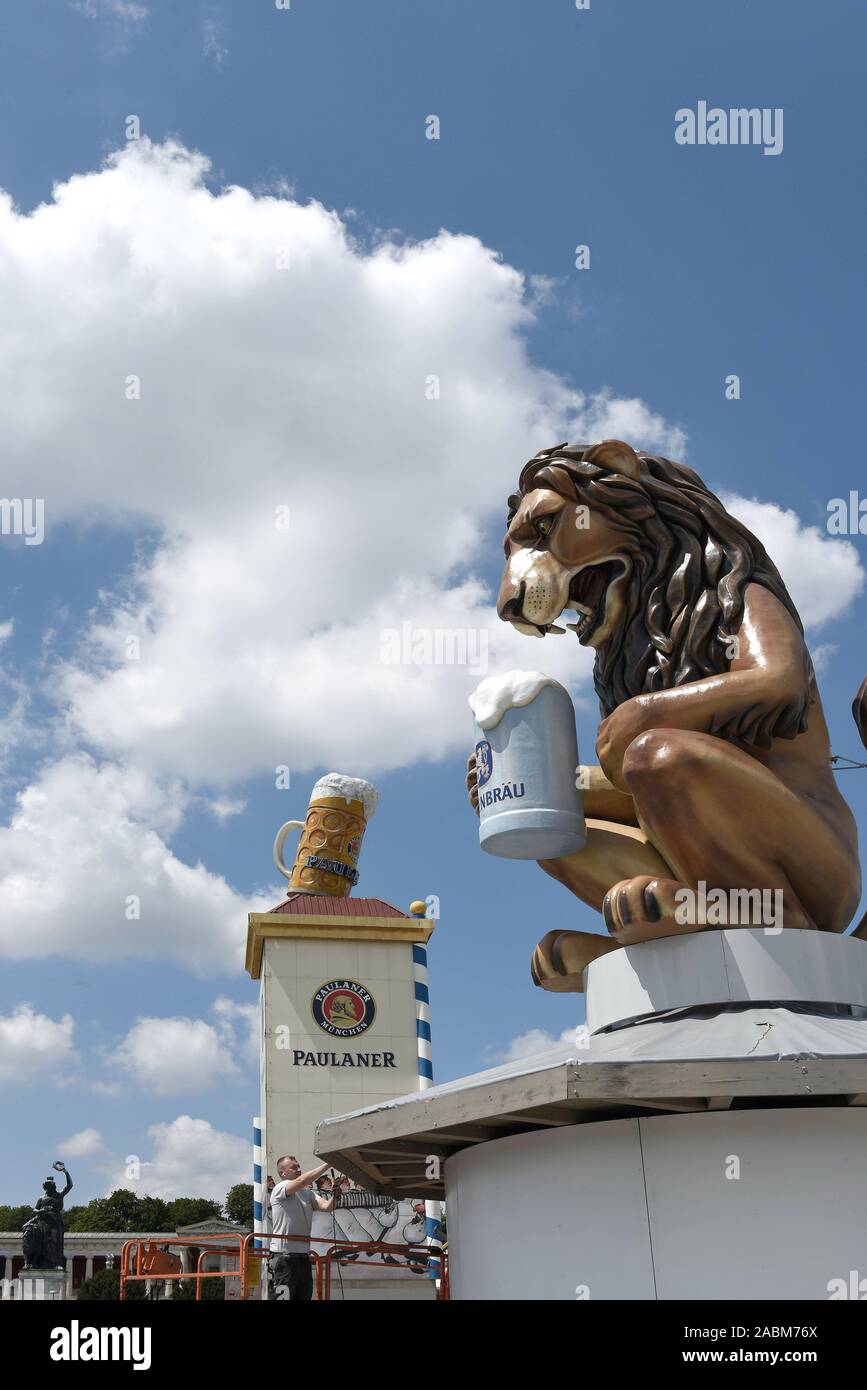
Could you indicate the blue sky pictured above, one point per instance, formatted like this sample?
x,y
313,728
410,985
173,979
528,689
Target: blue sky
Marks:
x,y
557,128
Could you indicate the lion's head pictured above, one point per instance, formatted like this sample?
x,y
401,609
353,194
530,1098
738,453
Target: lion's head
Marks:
x,y
647,558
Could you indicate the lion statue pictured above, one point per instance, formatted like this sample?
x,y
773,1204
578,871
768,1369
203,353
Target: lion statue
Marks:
x,y
715,764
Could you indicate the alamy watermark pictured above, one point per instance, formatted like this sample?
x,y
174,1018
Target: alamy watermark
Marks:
x,y
848,516
738,126
434,646
23,516
730,907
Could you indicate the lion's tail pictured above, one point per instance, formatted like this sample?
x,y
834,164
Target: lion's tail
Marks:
x,y
859,710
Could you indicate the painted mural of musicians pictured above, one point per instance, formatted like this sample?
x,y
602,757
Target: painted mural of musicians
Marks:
x,y
42,1237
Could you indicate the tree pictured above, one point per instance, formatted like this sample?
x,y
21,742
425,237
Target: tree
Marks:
x,y
104,1286
239,1204
13,1218
186,1211
153,1215
93,1217
122,1210
117,1212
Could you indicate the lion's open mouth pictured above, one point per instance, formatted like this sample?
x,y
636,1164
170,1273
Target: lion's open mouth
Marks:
x,y
587,596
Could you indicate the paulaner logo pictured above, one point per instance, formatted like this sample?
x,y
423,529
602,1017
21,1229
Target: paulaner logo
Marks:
x,y
738,126
77,1343
343,1008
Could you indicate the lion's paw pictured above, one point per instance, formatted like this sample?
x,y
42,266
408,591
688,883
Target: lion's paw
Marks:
x,y
642,909
561,957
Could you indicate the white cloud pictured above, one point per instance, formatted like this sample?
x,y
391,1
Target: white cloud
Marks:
x,y
822,573
238,1026
82,841
34,1047
530,1044
6,630
263,387
222,808
822,655
175,1056
85,1144
190,1158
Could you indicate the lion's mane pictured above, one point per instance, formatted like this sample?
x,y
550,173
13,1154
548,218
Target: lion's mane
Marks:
x,y
685,598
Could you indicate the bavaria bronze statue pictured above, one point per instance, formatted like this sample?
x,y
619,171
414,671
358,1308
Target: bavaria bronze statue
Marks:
x,y
42,1236
714,758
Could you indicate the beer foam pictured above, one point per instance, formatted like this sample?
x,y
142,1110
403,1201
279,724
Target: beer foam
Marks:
x,y
490,700
350,788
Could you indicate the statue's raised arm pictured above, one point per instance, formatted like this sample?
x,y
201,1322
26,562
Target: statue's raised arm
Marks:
x,y
60,1167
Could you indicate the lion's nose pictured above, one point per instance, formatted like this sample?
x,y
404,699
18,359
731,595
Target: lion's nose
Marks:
x,y
511,601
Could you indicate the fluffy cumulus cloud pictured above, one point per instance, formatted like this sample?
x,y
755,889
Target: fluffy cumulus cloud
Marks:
x,y
175,1056
189,1158
309,494
185,1056
822,573
34,1047
87,1143
85,855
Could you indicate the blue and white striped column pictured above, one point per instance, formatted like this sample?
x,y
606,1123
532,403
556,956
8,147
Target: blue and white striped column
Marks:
x,y
258,1185
425,1079
422,1016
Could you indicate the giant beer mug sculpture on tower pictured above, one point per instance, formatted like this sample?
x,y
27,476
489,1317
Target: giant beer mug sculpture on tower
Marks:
x,y
327,856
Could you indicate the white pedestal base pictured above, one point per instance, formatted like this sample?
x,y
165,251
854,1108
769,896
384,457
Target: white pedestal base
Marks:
x,y
750,1204
42,1285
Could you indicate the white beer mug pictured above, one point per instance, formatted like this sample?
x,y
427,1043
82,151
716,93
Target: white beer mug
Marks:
x,y
530,806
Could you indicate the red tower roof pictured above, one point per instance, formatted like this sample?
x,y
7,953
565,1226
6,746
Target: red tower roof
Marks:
x,y
326,905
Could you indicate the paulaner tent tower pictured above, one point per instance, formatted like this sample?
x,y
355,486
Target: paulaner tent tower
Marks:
x,y
344,1002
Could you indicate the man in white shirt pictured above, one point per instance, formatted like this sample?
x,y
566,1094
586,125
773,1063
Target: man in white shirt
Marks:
x,y
292,1208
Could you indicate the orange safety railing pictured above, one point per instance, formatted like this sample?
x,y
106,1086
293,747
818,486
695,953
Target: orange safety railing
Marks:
x,y
215,1245
143,1265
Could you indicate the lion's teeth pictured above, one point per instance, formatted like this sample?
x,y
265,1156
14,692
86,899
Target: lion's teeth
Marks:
x,y
555,628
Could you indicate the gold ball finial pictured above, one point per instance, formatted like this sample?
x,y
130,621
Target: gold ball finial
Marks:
x,y
418,908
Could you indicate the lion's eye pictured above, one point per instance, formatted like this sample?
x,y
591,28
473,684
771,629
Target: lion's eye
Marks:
x,y
543,525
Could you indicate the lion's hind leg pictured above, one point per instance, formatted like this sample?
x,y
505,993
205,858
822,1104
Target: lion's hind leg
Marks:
x,y
722,819
612,853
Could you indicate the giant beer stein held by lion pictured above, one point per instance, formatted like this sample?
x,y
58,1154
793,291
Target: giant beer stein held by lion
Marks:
x,y
327,856
526,765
